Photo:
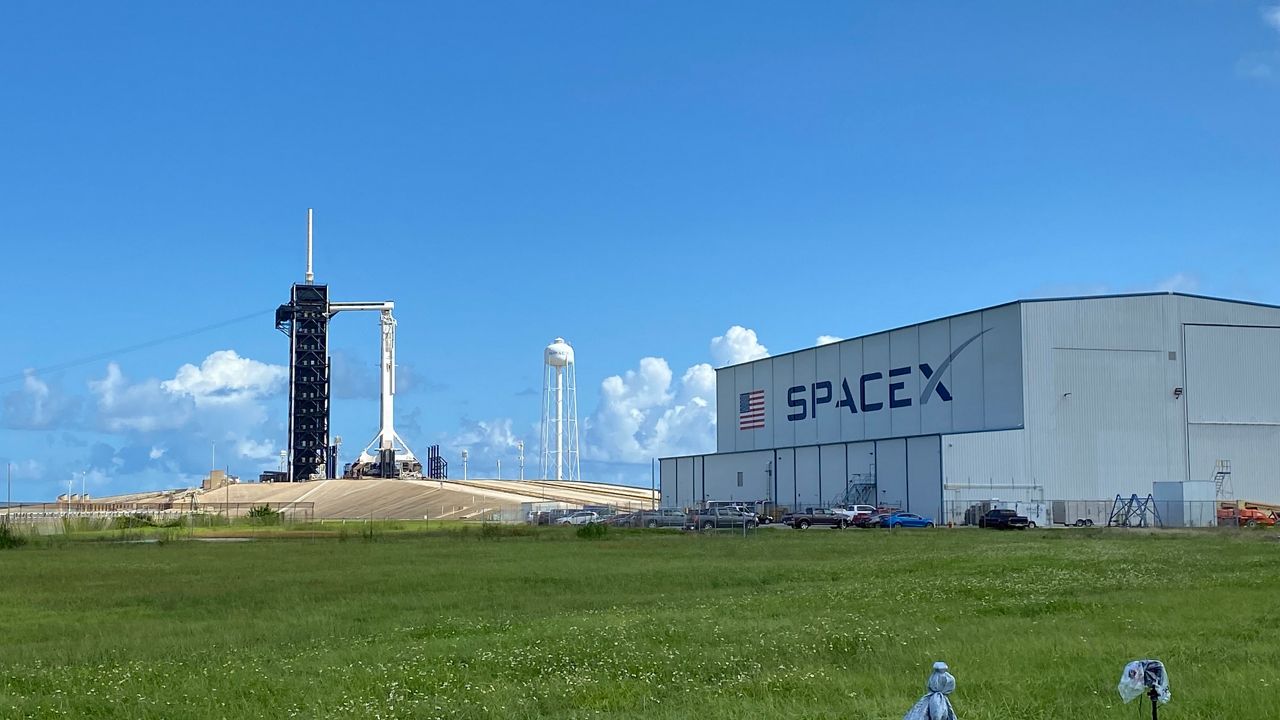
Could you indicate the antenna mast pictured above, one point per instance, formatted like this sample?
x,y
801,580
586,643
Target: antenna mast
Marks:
x,y
310,275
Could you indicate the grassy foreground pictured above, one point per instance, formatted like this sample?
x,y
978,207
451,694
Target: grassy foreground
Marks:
x,y
655,625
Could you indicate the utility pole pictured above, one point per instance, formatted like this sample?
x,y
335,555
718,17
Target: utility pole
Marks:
x,y
520,447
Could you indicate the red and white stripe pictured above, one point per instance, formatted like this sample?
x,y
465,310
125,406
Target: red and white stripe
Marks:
x,y
753,418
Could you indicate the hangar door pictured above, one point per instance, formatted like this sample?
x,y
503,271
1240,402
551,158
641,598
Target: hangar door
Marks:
x,y
1233,406
909,474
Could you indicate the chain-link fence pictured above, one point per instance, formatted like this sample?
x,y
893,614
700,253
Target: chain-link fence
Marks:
x,y
1133,512
74,516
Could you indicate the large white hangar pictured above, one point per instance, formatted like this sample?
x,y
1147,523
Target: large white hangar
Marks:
x,y
1074,399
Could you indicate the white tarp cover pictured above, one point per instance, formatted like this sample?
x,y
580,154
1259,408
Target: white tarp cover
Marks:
x,y
935,705
1137,675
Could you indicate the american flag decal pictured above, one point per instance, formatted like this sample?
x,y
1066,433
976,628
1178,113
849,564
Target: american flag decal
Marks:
x,y
751,410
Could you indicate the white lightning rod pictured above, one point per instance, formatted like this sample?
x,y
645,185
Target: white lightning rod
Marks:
x,y
310,275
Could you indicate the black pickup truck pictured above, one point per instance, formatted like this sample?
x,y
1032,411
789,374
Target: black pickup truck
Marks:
x,y
1004,520
816,516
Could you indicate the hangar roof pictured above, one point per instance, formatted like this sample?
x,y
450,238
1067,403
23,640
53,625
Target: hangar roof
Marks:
x,y
1022,302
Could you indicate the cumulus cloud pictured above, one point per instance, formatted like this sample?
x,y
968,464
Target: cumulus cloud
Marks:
x,y
737,345
165,427
141,407
37,406
827,339
224,377
647,412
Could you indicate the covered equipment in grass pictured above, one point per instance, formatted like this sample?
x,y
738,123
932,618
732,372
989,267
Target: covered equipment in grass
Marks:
x,y
935,705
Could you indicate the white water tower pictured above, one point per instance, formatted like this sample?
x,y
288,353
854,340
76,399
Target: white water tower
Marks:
x,y
559,413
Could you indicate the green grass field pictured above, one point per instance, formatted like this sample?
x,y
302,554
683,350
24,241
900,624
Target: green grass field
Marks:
x,y
782,624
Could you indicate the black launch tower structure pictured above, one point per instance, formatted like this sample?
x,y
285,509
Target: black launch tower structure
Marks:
x,y
305,319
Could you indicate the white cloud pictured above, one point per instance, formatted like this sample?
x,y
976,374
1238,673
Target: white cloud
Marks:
x,y
168,425
225,377
141,407
737,345
260,450
1257,66
484,439
646,413
37,406
1271,16
1179,282
828,339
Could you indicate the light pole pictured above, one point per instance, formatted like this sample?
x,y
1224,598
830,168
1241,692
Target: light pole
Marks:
x,y
499,469
82,490
8,503
464,466
520,449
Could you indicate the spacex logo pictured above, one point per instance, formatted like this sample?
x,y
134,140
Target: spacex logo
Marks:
x,y
873,390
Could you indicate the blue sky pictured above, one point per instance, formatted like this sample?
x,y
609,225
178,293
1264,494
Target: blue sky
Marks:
x,y
637,177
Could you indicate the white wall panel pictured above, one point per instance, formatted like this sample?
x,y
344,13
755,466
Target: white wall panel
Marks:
x,y
827,414
807,428
924,477
891,472
690,493
762,379
851,425
935,342
744,382
785,468
726,411
1109,436
875,405
807,494
903,382
1254,452
722,476
667,483
784,433
1230,374
1002,367
983,466
833,479
966,387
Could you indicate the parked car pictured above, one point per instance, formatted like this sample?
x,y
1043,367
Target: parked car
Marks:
x,y
622,520
661,517
853,512
816,516
902,519
870,521
722,517
582,517
1004,520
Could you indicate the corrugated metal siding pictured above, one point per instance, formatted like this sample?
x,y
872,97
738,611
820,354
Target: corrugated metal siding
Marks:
x,y
1254,452
991,458
1122,427
1231,374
